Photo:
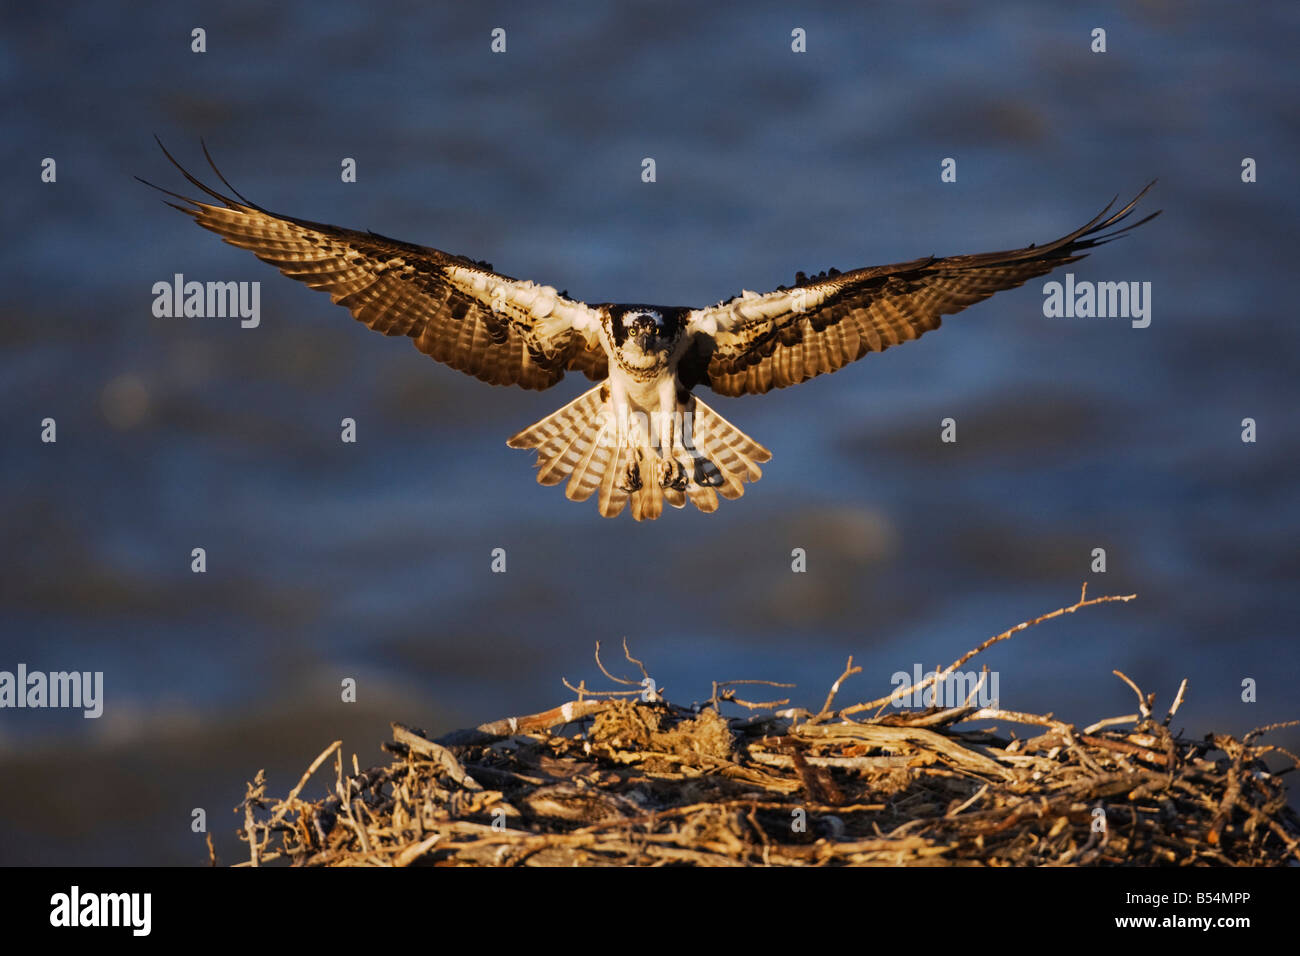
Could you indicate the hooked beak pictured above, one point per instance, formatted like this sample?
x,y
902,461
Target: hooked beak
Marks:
x,y
645,340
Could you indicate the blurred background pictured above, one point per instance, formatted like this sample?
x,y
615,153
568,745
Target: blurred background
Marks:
x,y
371,560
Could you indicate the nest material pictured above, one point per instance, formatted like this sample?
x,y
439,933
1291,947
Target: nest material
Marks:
x,y
644,782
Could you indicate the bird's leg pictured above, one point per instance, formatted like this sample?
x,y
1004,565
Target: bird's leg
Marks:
x,y
627,453
620,407
672,474
636,433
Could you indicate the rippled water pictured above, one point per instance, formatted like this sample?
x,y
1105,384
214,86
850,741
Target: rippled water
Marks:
x,y
371,560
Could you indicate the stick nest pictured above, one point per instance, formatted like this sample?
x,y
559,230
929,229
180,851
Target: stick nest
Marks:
x,y
625,777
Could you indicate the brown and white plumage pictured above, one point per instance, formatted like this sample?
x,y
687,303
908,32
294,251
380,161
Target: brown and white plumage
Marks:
x,y
499,329
753,343
641,436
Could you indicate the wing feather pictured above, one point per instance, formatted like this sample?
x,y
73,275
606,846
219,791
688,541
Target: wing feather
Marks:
x,y
502,330
751,343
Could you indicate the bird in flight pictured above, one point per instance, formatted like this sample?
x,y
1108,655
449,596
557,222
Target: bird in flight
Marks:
x,y
641,435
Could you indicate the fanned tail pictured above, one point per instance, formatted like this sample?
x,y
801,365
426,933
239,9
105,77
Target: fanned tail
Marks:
x,y
724,457
577,443
563,439
581,442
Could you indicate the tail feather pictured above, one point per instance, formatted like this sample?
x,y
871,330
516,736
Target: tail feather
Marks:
x,y
647,500
562,464
728,457
564,453
703,497
581,443
567,445
559,456
612,496
590,468
560,427
675,497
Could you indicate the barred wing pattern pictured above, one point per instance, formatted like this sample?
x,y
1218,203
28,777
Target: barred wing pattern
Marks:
x,y
754,343
501,330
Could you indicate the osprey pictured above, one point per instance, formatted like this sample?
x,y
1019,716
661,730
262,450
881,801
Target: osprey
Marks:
x,y
642,434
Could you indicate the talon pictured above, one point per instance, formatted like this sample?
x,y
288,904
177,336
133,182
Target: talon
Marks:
x,y
631,478
672,474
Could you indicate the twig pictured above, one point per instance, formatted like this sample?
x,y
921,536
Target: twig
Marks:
x,y
437,752
582,691
849,671
414,852
966,803
616,680
1110,722
532,723
1265,729
1144,707
730,695
302,782
628,655
899,694
1178,702
757,704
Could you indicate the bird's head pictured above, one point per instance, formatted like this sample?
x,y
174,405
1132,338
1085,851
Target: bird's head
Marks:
x,y
645,335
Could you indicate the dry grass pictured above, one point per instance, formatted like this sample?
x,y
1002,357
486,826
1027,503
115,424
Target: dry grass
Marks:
x,y
624,777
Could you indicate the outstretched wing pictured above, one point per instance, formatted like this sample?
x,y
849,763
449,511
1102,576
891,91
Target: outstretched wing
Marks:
x,y
754,343
502,330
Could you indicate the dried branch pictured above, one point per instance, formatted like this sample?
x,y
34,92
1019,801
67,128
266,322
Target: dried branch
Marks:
x,y
899,694
849,671
616,680
1144,703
